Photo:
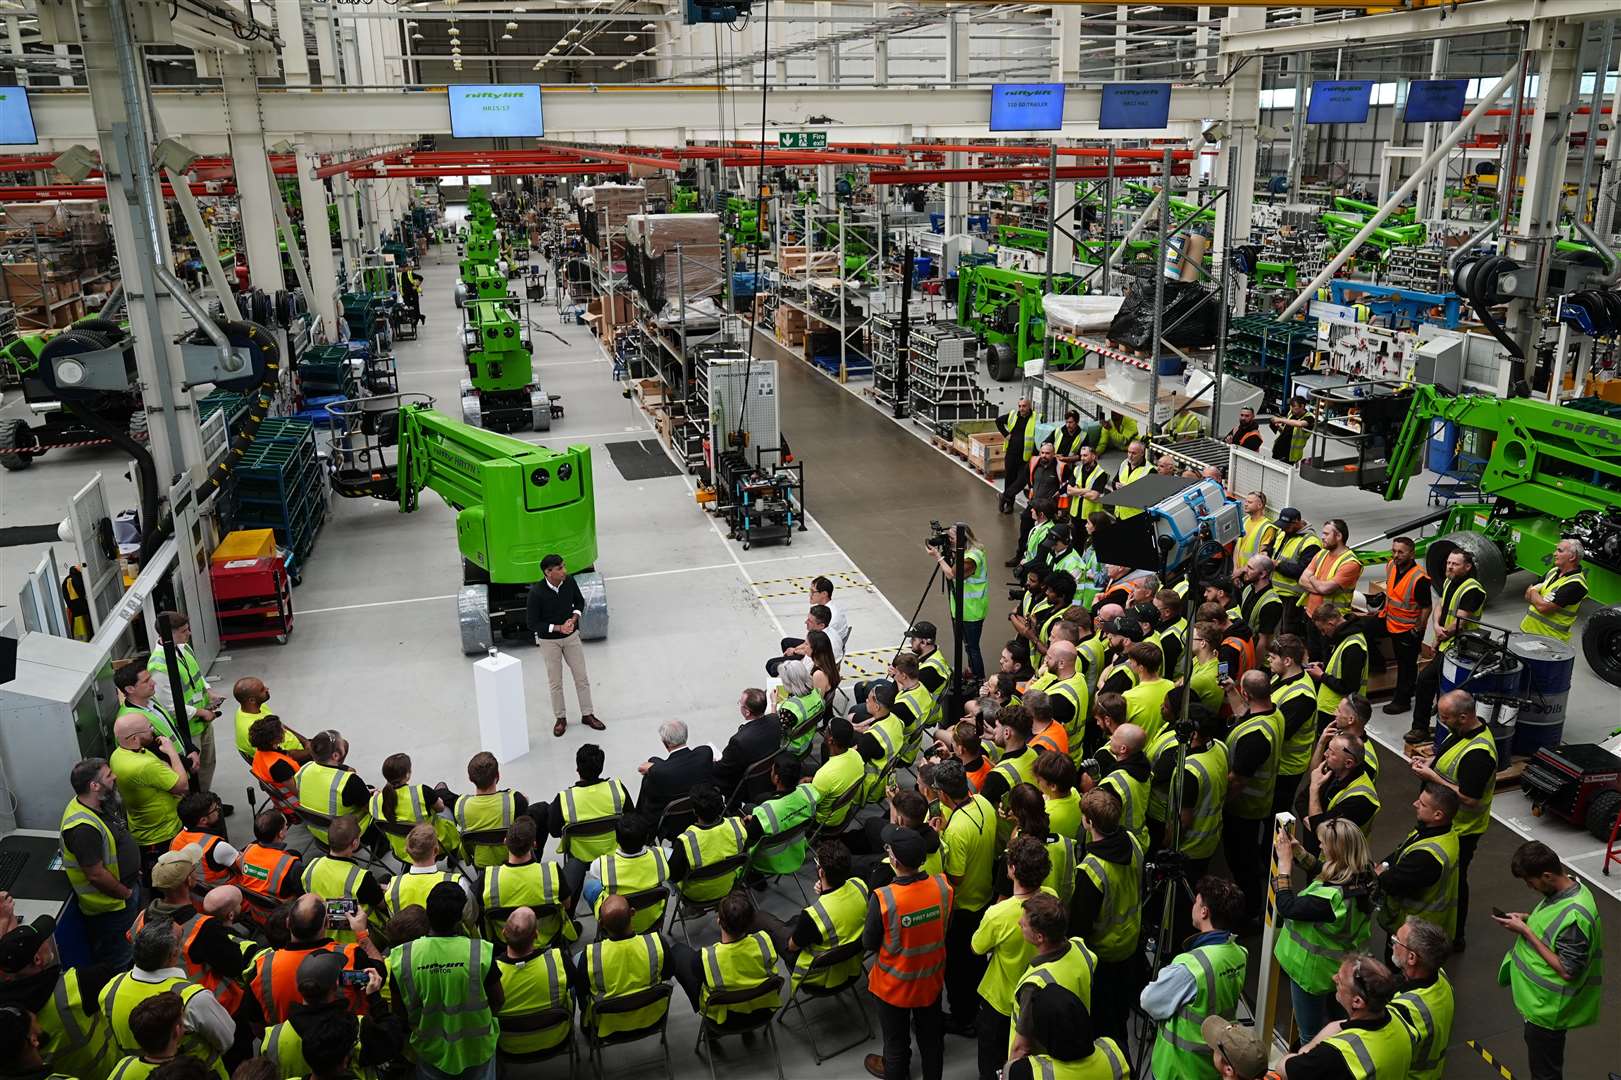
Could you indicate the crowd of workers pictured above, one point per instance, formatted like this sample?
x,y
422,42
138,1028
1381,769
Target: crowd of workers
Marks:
x,y
1121,767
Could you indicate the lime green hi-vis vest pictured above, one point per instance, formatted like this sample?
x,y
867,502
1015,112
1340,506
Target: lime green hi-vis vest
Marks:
x,y
531,988
441,984
1218,976
1541,995
616,969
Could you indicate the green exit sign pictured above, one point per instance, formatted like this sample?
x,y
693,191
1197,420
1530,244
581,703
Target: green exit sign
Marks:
x,y
802,140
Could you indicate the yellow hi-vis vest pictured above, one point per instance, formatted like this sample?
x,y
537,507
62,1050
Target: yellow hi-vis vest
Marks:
x,y
320,787
531,987
1556,623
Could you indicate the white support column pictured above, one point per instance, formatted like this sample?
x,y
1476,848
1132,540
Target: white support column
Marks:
x,y
880,51
1243,114
239,77
1557,47
117,98
956,197
1432,191
1066,44
958,48
295,60
317,236
827,54
14,36
1121,16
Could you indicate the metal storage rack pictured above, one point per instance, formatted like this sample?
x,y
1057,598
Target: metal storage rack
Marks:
x,y
1270,354
886,363
836,277
941,382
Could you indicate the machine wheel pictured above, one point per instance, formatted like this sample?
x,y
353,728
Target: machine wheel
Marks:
x,y
540,410
15,435
465,387
1490,566
999,363
1601,644
473,615
594,619
1601,813
472,412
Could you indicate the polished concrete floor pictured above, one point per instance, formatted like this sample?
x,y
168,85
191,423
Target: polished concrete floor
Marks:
x,y
375,654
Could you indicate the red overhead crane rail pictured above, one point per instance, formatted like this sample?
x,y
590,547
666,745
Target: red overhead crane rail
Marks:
x,y
1014,173
54,192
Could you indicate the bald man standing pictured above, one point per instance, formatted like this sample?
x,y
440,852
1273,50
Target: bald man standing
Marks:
x,y
151,779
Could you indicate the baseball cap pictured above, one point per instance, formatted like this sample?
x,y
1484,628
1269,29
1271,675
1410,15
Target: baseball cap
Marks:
x,y
318,972
1288,513
1241,1046
907,844
21,944
175,867
1128,626
923,630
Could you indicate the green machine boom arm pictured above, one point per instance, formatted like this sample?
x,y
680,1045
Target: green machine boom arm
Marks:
x,y
1552,472
515,504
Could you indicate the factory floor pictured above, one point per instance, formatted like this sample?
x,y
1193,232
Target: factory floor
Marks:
x,y
375,653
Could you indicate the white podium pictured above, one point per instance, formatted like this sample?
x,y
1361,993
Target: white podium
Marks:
x,y
503,721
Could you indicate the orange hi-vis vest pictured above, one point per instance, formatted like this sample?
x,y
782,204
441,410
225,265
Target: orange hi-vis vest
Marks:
x,y
274,979
1246,654
263,871
284,794
1401,612
210,876
226,992
910,969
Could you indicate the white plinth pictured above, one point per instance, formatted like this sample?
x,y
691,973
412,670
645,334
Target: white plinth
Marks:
x,y
503,720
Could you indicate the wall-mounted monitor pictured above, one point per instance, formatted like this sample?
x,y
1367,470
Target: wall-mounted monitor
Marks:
x,y
1335,101
16,118
1027,107
495,112
1141,105
1435,101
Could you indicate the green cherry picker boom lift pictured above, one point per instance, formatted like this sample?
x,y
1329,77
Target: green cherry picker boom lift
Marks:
x,y
1553,472
515,503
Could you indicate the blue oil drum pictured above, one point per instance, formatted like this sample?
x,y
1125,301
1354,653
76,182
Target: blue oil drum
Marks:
x,y
1549,665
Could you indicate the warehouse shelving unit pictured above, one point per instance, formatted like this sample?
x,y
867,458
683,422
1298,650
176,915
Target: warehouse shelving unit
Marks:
x,y
814,277
1270,354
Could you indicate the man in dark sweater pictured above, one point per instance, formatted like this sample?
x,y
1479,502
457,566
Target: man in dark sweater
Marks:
x,y
1019,427
555,607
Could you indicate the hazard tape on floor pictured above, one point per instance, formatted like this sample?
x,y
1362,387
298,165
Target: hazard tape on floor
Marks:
x,y
1486,1056
799,585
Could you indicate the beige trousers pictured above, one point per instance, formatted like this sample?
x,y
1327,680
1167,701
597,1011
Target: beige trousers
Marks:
x,y
557,652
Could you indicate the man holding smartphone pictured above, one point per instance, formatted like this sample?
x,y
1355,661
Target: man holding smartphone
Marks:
x,y
555,606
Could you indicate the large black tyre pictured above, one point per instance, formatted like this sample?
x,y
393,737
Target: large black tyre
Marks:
x,y
1601,813
15,435
1491,569
1601,644
999,363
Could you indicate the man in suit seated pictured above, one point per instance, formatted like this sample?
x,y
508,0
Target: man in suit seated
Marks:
x,y
670,777
757,739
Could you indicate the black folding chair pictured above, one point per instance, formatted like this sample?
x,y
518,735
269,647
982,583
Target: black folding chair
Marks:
x,y
626,1003
495,921
687,909
643,899
473,839
837,818
800,987
738,1023
596,827
760,770
676,817
524,1023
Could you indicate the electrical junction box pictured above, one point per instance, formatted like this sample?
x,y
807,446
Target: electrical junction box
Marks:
x,y
1438,358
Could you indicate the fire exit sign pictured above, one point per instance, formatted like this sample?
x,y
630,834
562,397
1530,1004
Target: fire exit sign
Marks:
x,y
802,140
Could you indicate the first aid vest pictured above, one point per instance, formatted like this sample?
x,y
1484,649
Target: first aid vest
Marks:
x,y
910,968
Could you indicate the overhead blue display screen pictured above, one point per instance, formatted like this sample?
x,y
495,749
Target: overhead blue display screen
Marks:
x,y
1337,102
495,112
1027,107
1435,101
16,118
1135,105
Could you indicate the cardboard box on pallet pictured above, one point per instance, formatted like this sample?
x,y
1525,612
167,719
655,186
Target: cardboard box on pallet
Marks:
x,y
986,451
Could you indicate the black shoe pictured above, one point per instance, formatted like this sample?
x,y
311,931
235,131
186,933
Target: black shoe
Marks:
x,y
1011,563
1417,738
1396,708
